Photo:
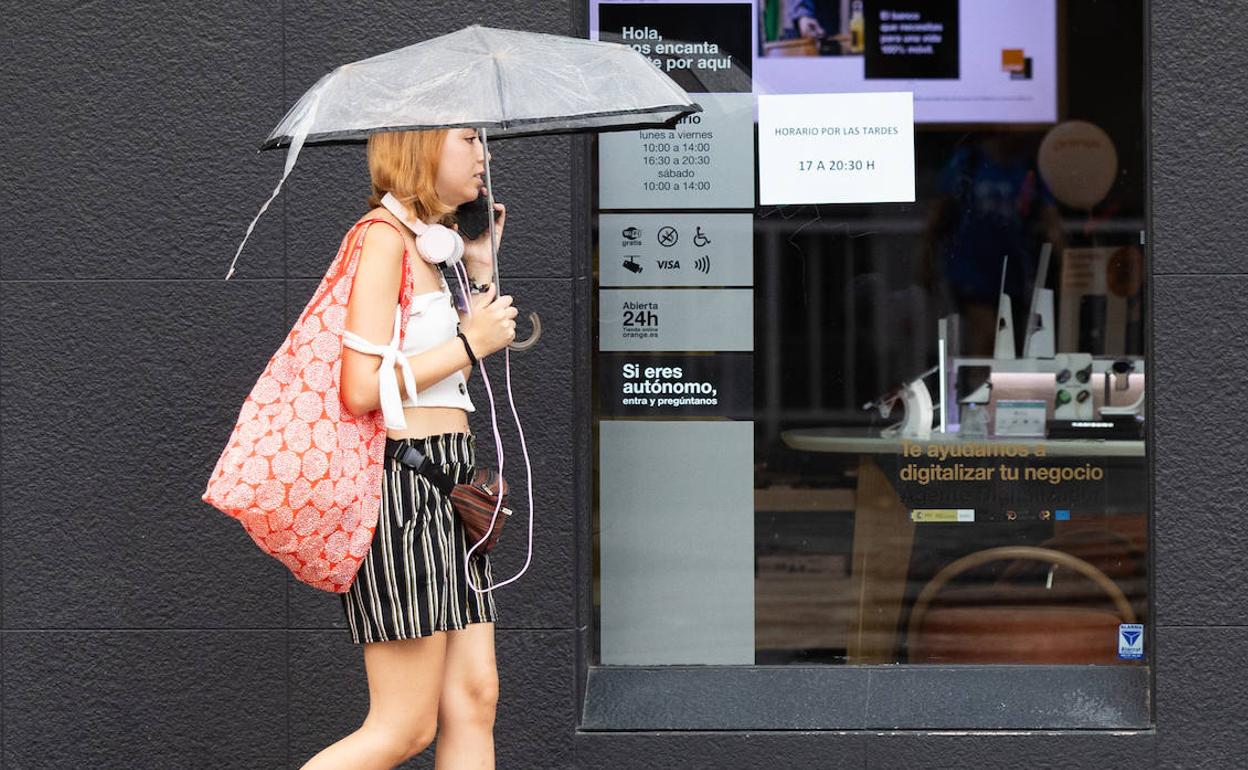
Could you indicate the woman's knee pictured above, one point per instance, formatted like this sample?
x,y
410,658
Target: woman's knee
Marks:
x,y
401,742
472,697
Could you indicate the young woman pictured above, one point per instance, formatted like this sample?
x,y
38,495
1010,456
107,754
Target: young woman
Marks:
x,y
428,638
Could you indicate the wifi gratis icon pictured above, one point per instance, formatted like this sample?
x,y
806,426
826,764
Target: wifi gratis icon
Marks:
x,y
703,265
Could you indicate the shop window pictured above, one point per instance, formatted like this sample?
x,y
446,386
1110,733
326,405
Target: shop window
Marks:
x,y
883,402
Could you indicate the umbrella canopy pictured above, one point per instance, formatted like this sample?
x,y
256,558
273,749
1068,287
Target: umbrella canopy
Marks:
x,y
501,82
510,82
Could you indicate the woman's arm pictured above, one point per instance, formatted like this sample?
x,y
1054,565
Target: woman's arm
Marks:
x,y
467,370
481,277
477,260
370,314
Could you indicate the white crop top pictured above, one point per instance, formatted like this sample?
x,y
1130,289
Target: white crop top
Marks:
x,y
433,321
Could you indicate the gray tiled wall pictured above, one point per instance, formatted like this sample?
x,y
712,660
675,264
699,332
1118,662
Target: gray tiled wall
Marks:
x,y
140,627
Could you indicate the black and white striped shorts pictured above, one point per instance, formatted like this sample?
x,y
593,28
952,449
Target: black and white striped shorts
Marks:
x,y
412,583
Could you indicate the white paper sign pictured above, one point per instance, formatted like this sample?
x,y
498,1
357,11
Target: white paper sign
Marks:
x,y
836,148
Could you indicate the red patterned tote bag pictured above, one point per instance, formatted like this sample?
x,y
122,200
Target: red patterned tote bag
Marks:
x,y
300,472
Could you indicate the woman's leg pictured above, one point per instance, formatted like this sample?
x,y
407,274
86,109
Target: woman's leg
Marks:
x,y
469,695
404,680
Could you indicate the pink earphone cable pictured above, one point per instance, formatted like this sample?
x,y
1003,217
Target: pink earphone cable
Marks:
x,y
461,276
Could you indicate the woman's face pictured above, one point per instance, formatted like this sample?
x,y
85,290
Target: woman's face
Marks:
x,y
461,168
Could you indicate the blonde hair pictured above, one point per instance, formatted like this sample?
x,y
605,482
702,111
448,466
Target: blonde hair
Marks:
x,y
406,163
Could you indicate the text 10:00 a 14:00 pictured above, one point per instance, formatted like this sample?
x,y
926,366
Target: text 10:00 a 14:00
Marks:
x,y
702,186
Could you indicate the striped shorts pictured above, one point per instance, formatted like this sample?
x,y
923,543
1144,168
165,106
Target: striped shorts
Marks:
x,y
411,583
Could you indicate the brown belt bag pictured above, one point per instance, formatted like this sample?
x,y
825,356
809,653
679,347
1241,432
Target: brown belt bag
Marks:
x,y
473,502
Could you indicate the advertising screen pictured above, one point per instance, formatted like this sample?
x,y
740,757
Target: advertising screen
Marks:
x,y
966,61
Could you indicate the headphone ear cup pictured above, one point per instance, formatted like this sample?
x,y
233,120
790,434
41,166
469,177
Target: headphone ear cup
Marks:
x,y
439,244
457,250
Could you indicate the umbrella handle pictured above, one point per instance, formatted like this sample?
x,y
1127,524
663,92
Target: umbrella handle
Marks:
x,y
532,339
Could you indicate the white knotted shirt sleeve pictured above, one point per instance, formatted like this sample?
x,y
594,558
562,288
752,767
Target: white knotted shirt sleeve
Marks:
x,y
387,380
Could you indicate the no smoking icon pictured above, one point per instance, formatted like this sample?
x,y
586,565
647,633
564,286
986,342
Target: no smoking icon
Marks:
x,y
668,236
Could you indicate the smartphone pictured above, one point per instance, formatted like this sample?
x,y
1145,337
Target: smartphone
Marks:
x,y
472,217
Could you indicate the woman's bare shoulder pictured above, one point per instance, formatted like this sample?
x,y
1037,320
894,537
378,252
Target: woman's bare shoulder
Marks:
x,y
394,230
381,251
393,243
378,213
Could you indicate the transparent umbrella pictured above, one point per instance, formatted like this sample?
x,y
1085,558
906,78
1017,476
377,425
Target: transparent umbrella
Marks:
x,y
502,82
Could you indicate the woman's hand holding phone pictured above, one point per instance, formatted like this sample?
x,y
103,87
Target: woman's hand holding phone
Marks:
x,y
492,324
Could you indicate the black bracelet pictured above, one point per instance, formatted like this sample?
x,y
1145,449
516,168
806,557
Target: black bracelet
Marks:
x,y
472,357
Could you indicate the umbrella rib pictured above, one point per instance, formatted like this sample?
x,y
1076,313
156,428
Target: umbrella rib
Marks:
x,y
498,86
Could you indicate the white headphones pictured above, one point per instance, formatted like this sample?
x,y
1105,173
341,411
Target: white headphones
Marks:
x,y
437,244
